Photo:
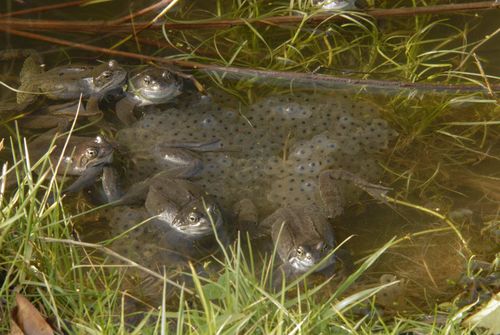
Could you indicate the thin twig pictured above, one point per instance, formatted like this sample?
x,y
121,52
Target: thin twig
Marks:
x,y
141,12
117,256
239,72
118,26
44,8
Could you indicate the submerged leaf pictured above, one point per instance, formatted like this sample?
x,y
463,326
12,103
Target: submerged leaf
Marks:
x,y
27,320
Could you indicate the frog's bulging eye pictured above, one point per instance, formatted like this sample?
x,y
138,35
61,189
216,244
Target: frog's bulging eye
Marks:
x,y
166,75
146,80
300,251
193,217
107,74
91,152
112,63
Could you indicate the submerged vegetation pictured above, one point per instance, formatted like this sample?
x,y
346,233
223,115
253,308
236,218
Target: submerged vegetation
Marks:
x,y
434,240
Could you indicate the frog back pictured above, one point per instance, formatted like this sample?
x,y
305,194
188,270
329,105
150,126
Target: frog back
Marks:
x,y
32,67
298,225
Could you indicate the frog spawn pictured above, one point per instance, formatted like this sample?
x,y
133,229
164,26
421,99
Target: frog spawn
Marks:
x,y
271,151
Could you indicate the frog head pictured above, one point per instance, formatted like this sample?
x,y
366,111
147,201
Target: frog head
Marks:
x,y
154,86
91,152
108,76
195,219
305,256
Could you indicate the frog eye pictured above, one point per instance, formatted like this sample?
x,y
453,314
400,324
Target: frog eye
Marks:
x,y
300,251
91,152
146,80
193,217
107,74
166,75
112,63
308,256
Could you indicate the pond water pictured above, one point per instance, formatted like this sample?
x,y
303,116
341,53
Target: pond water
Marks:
x,y
269,140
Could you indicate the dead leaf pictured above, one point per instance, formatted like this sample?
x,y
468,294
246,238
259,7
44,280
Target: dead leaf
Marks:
x,y
27,320
14,328
487,317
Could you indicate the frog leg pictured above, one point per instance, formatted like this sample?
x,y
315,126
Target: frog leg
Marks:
x,y
137,193
178,162
92,107
331,195
345,257
158,204
247,218
266,225
284,272
85,180
214,145
110,184
67,109
11,54
60,124
125,111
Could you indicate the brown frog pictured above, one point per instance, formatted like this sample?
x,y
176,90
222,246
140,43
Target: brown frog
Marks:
x,y
87,158
303,236
178,204
66,82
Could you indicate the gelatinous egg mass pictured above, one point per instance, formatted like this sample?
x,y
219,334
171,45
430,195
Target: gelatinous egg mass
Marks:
x,y
271,151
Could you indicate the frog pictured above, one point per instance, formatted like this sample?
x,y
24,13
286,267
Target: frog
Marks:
x,y
303,238
149,86
303,235
66,82
178,204
86,158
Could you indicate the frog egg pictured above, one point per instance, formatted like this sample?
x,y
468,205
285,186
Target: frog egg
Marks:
x,y
370,169
320,139
349,146
308,186
272,166
330,146
302,150
124,218
224,161
273,196
208,121
313,167
293,110
228,115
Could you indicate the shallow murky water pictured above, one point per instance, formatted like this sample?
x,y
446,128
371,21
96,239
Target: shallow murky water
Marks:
x,y
272,151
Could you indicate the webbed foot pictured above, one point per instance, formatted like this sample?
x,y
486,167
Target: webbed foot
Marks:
x,y
331,196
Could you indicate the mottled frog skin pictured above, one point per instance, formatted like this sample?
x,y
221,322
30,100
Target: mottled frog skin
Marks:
x,y
68,82
303,237
85,157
